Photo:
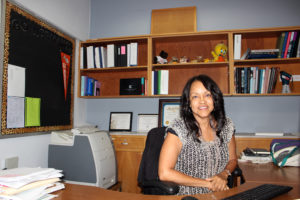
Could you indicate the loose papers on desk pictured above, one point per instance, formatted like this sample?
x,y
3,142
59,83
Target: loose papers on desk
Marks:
x,y
29,183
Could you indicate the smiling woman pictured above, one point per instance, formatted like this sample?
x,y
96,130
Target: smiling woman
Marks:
x,y
199,149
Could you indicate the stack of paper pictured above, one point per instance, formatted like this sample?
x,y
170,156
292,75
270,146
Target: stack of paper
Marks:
x,y
29,183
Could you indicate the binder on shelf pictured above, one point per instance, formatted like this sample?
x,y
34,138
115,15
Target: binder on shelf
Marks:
x,y
164,86
104,56
97,57
123,55
133,54
128,54
110,55
237,46
90,57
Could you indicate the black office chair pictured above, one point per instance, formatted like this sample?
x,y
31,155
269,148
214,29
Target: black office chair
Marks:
x,y
148,173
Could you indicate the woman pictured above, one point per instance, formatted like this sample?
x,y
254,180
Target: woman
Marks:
x,y
199,149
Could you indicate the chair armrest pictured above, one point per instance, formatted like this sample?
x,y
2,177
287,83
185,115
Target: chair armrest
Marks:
x,y
159,187
232,180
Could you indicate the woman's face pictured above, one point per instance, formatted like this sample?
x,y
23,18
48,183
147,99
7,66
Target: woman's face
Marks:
x,y
201,100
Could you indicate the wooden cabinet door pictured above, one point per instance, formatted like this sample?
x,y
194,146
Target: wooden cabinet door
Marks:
x,y
128,167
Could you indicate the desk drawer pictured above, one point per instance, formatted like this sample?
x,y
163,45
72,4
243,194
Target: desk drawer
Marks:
x,y
129,143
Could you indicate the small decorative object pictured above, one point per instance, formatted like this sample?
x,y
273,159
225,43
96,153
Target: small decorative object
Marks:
x,y
161,59
197,60
184,59
174,60
285,78
206,60
220,53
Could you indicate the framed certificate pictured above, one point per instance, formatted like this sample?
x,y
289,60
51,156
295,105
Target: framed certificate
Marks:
x,y
120,121
146,122
169,109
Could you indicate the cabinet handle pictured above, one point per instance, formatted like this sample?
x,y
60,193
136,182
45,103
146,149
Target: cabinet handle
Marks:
x,y
124,143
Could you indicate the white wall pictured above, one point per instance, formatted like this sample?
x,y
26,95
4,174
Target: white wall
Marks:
x,y
73,18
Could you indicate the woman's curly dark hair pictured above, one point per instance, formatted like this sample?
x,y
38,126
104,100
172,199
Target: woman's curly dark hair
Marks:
x,y
218,113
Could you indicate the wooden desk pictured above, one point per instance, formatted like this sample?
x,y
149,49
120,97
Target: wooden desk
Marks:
x,y
255,174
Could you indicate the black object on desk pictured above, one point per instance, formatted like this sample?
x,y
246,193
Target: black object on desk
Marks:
x,y
189,198
262,192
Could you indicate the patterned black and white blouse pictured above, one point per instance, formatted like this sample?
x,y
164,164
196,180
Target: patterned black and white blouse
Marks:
x,y
201,160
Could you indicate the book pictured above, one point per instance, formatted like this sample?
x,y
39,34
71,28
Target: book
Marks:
x,y
279,44
288,55
104,56
110,55
284,43
294,45
237,46
287,44
164,87
246,54
97,57
81,58
123,55
83,85
133,54
90,57
155,82
90,87
128,54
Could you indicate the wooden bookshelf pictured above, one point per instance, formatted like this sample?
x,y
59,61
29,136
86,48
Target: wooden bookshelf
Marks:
x,y
191,45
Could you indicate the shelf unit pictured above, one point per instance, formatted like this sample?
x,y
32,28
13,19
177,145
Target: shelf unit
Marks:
x,y
267,38
191,45
110,77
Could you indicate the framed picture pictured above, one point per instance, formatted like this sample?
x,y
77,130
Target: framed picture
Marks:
x,y
146,122
169,109
120,121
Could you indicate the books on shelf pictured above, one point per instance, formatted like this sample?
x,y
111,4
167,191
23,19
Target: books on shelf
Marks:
x,y
89,86
288,44
260,54
160,82
287,47
255,80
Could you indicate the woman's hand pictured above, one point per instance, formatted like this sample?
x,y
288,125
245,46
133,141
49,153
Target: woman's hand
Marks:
x,y
218,182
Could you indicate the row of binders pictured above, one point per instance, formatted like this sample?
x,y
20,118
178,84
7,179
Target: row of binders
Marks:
x,y
160,82
287,46
112,55
254,80
90,86
30,183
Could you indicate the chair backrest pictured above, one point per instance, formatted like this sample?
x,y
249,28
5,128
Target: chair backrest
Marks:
x,y
149,164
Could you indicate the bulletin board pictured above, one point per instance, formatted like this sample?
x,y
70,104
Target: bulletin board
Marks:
x,y
45,58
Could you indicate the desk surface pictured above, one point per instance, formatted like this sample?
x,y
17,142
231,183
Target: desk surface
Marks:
x,y
255,174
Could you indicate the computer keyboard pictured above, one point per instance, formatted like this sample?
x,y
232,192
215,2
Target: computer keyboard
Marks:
x,y
262,192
